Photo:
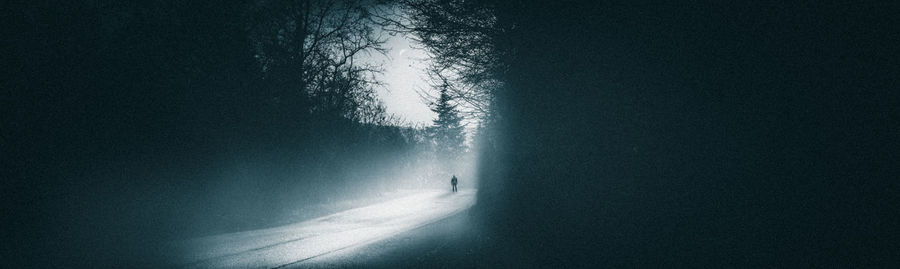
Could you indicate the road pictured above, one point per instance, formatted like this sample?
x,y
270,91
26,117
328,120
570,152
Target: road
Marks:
x,y
292,245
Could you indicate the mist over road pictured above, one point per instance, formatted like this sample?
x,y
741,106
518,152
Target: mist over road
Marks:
x,y
291,245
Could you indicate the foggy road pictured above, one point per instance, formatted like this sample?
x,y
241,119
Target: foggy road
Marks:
x,y
293,244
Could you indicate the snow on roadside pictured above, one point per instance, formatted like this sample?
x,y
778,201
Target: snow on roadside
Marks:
x,y
288,244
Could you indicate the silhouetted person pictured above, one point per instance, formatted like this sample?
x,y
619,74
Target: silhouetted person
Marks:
x,y
453,182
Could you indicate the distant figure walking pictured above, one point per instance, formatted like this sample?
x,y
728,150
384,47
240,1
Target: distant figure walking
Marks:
x,y
453,182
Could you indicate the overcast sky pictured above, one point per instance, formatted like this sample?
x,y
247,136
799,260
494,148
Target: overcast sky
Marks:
x,y
404,73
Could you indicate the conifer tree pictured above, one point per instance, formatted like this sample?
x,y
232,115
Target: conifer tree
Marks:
x,y
448,133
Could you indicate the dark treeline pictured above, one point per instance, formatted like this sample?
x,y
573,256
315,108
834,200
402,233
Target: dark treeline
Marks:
x,y
679,135
126,124
704,135
617,134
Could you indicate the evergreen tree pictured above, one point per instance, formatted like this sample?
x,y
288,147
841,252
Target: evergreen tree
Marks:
x,y
447,134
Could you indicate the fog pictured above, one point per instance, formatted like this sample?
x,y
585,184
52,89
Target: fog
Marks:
x,y
156,123
583,134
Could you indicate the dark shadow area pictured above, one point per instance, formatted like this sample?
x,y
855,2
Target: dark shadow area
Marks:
x,y
129,124
696,134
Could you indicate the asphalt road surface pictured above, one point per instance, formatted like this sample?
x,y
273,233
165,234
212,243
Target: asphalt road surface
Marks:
x,y
332,237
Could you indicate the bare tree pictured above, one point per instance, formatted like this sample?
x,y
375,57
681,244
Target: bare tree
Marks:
x,y
461,38
310,51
